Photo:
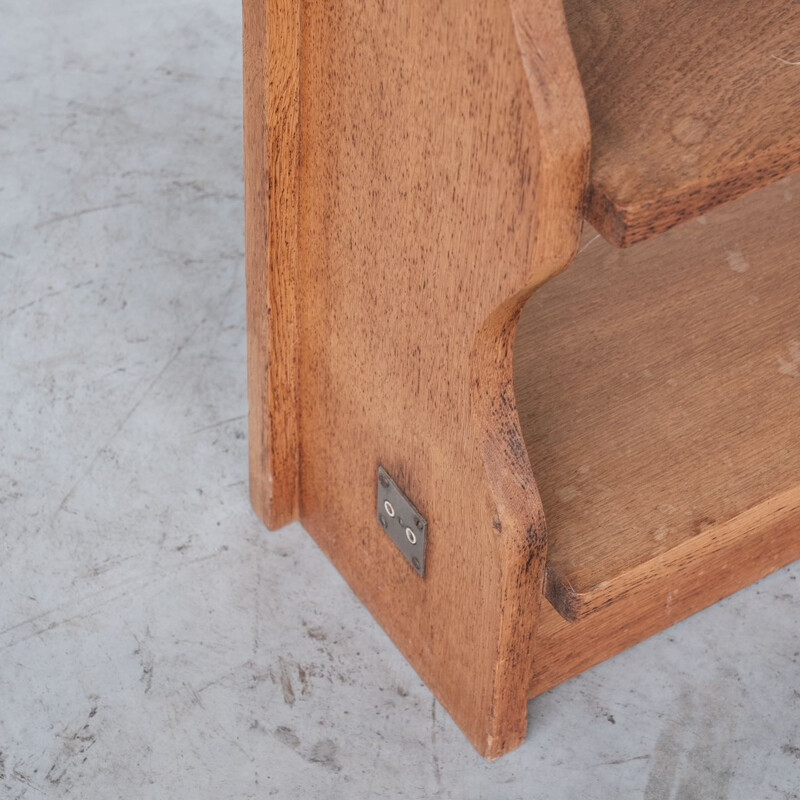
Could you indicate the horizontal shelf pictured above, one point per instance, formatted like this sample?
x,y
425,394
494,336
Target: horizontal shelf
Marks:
x,y
659,396
691,105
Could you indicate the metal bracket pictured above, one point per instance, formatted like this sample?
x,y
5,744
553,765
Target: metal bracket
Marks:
x,y
400,518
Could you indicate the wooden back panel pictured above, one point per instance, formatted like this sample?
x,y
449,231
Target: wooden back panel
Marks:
x,y
441,169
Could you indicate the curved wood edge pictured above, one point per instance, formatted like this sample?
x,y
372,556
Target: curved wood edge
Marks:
x,y
441,179
564,148
271,130
563,130
518,520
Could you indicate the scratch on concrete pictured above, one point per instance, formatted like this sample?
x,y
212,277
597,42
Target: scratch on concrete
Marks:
x,y
286,683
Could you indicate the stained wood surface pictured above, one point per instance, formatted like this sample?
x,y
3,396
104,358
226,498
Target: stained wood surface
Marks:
x,y
764,541
414,173
691,105
271,103
659,393
440,180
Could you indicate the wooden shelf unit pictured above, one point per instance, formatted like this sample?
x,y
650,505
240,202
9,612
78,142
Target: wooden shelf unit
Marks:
x,y
659,393
597,442
691,105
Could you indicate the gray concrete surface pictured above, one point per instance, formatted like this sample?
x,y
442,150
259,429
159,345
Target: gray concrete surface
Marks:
x,y
155,640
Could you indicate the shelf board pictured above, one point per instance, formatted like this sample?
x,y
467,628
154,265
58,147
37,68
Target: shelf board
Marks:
x,y
659,396
691,105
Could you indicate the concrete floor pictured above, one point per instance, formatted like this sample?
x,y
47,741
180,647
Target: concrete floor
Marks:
x,y
155,640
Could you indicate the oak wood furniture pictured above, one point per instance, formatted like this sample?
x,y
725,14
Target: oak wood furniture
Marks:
x,y
584,455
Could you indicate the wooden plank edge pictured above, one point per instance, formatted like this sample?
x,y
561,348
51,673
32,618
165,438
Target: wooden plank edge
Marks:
x,y
625,224
737,554
714,551
271,134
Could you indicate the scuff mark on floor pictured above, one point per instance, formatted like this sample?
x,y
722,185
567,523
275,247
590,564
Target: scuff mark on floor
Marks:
x,y
286,683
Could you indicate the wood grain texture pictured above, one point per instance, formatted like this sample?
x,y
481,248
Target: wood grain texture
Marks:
x,y
414,174
441,181
271,104
747,550
659,393
691,105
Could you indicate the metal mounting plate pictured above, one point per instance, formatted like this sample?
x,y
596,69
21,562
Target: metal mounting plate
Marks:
x,y
401,519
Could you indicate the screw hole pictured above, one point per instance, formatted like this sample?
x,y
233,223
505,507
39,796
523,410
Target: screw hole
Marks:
x,y
382,520
411,536
389,508
415,562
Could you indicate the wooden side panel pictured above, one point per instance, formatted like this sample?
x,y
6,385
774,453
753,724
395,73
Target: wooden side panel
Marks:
x,y
443,164
271,86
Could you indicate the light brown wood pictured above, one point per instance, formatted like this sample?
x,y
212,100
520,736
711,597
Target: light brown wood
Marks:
x,y
271,95
763,541
440,181
414,173
691,105
659,394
